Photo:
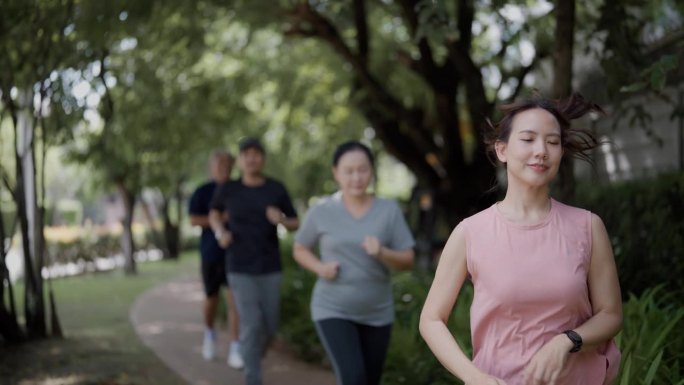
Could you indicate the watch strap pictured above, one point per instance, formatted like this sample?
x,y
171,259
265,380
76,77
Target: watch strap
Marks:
x,y
576,340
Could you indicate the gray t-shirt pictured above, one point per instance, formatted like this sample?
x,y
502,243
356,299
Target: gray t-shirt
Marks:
x,y
361,291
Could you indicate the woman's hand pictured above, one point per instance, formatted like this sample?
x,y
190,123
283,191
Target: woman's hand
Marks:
x,y
372,246
486,379
547,364
328,270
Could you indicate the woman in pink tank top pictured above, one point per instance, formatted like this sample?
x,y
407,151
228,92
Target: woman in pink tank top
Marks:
x,y
547,301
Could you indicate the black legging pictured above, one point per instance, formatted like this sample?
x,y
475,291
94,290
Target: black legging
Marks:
x,y
357,351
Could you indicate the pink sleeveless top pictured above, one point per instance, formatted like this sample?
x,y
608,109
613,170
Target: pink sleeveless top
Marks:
x,y
530,285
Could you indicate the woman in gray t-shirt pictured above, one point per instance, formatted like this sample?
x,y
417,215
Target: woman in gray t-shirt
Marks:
x,y
360,238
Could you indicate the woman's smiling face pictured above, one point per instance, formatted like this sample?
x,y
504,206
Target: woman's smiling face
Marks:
x,y
534,150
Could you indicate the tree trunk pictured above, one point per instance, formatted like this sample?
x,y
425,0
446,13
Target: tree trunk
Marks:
x,y
25,197
179,213
171,231
127,241
430,144
156,236
680,115
55,324
459,187
9,327
562,83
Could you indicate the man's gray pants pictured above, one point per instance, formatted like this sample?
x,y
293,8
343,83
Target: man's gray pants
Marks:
x,y
257,298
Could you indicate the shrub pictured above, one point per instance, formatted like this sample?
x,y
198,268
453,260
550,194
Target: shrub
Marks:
x,y
409,360
76,244
651,340
83,248
644,221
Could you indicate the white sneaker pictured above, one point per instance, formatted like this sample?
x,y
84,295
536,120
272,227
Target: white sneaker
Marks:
x,y
235,359
208,347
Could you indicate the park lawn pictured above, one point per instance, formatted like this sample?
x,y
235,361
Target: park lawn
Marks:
x,y
100,345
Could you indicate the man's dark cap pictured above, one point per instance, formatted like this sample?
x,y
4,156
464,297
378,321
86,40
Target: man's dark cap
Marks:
x,y
247,143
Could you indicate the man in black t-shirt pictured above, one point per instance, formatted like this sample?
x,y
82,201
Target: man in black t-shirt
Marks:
x,y
213,266
254,206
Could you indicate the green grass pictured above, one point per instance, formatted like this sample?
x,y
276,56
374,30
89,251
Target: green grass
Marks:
x,y
100,345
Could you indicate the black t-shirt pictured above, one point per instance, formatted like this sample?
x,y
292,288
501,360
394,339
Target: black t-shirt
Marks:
x,y
255,248
199,205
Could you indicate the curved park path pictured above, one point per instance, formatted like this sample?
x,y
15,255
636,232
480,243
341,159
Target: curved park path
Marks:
x,y
167,319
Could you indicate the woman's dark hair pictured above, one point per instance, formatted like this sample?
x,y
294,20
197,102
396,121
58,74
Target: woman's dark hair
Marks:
x,y
350,146
576,142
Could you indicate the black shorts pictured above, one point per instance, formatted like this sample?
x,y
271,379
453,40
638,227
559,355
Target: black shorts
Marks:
x,y
214,276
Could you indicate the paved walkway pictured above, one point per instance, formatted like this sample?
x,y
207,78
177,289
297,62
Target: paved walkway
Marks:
x,y
167,319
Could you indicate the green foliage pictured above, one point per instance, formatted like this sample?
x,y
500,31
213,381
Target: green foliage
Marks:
x,y
423,74
651,340
294,96
184,79
409,360
635,49
639,53
644,221
32,42
141,72
35,50
655,75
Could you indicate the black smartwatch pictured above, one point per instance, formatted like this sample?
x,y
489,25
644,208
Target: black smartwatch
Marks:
x,y
576,340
